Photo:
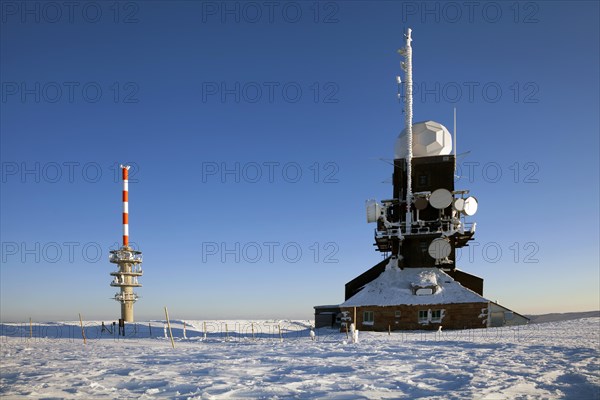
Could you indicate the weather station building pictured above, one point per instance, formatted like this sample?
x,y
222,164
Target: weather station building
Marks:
x,y
417,285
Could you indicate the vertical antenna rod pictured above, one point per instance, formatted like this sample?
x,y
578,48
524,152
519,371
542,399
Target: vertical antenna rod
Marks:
x,y
454,141
125,205
408,103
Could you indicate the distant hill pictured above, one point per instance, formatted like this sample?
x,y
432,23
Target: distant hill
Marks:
x,y
537,319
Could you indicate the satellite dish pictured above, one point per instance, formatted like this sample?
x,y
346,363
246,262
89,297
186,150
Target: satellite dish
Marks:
x,y
459,204
440,199
470,207
439,248
421,203
373,211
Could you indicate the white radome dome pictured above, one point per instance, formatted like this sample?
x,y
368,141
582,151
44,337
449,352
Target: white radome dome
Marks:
x,y
430,138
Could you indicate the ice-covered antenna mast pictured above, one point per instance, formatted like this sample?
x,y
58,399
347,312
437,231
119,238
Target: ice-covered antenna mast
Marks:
x,y
454,141
408,115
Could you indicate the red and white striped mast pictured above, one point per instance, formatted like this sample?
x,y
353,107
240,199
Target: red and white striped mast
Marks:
x,y
128,260
125,169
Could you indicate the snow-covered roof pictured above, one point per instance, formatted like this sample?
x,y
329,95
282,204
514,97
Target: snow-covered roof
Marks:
x,y
397,287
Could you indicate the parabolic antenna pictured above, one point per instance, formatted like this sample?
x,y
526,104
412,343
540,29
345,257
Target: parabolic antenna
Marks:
x,y
421,203
373,211
470,207
459,204
439,248
440,199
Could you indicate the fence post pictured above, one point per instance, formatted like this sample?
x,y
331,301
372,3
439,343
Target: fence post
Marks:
x,y
169,325
82,331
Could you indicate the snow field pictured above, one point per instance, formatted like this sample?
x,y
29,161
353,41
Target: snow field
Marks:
x,y
549,360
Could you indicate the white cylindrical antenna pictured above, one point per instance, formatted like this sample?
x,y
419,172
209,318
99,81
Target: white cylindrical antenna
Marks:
x,y
408,103
454,141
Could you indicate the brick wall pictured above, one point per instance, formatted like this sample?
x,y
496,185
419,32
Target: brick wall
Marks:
x,y
456,316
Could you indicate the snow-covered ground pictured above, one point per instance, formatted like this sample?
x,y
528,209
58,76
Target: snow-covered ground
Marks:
x,y
548,360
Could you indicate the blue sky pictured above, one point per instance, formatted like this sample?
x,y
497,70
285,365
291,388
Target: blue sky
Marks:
x,y
255,133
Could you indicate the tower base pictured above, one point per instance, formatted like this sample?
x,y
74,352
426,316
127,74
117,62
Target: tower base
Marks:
x,y
127,311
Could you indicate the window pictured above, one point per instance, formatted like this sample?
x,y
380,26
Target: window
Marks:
x,y
397,315
423,180
424,291
368,317
427,316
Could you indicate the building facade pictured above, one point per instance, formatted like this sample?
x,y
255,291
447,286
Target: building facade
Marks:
x,y
408,317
